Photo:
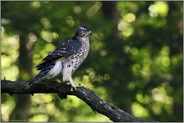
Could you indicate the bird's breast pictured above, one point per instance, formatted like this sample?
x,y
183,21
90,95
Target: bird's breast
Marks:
x,y
75,60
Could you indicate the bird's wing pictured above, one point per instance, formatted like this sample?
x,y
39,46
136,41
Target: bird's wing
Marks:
x,y
64,50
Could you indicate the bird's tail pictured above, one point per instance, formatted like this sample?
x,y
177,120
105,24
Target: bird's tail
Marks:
x,y
37,78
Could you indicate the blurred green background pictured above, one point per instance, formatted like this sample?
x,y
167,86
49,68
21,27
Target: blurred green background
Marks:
x,y
135,59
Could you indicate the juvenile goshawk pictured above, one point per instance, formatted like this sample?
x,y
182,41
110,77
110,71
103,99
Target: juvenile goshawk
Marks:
x,y
66,58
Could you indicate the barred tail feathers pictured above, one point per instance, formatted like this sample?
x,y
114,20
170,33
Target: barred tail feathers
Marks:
x,y
41,75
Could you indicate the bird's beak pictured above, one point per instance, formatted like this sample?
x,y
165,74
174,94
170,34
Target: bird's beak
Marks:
x,y
90,33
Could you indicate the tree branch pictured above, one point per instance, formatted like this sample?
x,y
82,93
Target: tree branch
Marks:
x,y
97,105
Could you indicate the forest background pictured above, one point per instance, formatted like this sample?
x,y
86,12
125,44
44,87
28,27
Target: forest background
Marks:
x,y
135,60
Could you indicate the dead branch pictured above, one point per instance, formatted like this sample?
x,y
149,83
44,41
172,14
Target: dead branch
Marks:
x,y
88,96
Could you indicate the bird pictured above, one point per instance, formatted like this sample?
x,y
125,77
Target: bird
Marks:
x,y
66,58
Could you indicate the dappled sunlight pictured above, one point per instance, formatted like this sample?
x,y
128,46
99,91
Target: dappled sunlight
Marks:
x,y
125,28
127,49
39,118
9,70
6,109
70,21
107,76
94,9
139,110
97,43
74,106
103,53
143,65
46,23
43,104
42,98
136,68
51,109
10,44
37,58
86,81
163,59
135,60
129,17
125,24
143,99
11,75
46,35
158,9
131,85
77,9
166,102
177,59
127,32
31,39
35,4
91,74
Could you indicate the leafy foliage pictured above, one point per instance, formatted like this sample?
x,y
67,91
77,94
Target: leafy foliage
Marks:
x,y
135,59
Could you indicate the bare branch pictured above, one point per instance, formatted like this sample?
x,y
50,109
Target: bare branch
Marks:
x,y
97,105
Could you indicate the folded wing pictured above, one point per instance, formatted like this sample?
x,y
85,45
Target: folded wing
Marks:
x,y
66,49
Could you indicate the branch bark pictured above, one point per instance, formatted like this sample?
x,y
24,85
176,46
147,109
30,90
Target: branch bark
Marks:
x,y
97,105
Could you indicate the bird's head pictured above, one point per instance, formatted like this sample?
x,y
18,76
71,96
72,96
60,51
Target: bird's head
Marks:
x,y
83,31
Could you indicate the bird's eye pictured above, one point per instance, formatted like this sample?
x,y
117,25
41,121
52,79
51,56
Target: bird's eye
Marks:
x,y
82,31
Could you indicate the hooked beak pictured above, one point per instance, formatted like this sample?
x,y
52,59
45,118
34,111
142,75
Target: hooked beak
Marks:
x,y
89,33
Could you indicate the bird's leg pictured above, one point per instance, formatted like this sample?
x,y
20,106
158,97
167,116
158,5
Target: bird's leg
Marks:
x,y
73,84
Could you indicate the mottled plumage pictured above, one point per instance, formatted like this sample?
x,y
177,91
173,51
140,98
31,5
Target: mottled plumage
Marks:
x,y
66,58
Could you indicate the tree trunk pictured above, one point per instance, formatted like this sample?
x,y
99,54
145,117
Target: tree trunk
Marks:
x,y
21,110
